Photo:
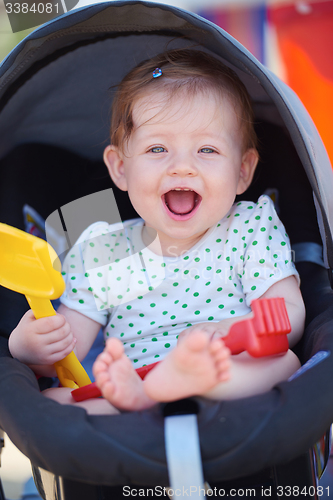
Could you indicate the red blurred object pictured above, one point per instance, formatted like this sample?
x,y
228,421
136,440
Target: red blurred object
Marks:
x,y
145,369
92,391
86,392
263,335
304,32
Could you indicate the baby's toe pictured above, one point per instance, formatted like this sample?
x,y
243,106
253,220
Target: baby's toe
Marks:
x,y
196,341
114,348
102,363
223,369
222,352
102,378
108,389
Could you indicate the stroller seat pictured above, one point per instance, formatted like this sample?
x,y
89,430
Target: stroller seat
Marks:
x,y
51,155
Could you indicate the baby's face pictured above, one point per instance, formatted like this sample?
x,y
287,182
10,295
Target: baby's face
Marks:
x,y
183,165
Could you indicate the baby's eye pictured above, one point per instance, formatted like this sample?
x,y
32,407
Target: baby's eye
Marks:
x,y
207,150
157,149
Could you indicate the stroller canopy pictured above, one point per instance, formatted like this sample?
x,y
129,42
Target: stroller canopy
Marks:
x,y
54,119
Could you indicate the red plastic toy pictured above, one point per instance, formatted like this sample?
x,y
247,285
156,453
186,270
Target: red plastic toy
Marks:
x,y
263,335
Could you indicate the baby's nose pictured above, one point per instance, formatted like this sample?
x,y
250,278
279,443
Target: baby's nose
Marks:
x,y
183,166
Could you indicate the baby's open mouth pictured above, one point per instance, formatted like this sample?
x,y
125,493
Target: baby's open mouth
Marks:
x,y
181,201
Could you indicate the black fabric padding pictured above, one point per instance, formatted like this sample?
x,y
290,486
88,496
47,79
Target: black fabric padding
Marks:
x,y
280,168
316,291
46,178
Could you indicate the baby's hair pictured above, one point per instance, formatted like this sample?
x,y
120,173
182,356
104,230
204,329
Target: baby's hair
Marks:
x,y
186,70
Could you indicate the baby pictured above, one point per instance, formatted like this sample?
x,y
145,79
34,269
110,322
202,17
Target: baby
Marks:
x,y
183,146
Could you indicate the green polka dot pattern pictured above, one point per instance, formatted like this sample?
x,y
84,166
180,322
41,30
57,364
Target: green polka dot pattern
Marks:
x,y
144,298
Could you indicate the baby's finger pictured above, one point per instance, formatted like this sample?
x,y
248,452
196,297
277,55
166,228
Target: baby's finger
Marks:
x,y
59,334
60,354
49,323
65,344
29,316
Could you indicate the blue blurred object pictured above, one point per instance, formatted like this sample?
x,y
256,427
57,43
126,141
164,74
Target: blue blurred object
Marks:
x,y
95,350
30,491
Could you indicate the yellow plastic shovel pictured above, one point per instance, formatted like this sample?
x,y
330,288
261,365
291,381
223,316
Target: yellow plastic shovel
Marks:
x,y
26,267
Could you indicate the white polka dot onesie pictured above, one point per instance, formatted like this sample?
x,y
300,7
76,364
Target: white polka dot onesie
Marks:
x,y
146,300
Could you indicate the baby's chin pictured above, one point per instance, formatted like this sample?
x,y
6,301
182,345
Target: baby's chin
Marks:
x,y
149,235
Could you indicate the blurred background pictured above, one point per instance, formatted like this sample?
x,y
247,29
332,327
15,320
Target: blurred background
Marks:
x,y
294,38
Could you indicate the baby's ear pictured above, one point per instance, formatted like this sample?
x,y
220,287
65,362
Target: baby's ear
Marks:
x,y
113,159
249,162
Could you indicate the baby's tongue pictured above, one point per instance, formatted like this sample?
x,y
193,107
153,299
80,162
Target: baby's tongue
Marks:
x,y
180,202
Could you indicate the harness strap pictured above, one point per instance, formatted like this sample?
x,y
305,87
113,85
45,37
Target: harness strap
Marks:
x,y
183,457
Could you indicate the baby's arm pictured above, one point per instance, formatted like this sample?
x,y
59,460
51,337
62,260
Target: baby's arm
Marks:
x,y
251,376
288,289
84,329
39,343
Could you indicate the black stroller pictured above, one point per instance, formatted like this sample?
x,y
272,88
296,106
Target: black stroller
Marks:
x,y
54,126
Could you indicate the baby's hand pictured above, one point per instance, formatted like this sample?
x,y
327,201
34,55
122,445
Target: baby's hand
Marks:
x,y
41,341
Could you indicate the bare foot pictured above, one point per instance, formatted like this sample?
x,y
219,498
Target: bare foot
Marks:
x,y
117,379
194,367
